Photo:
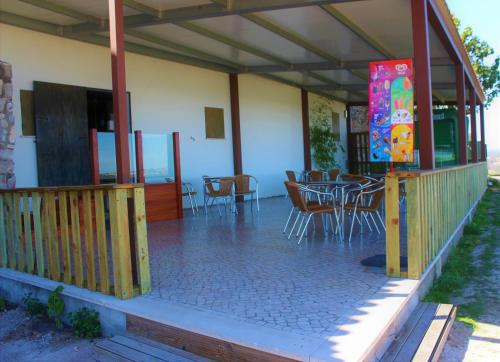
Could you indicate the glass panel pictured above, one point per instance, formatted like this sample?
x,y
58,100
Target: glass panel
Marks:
x,y
158,158
107,157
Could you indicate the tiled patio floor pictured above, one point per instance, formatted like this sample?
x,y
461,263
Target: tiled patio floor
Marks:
x,y
243,267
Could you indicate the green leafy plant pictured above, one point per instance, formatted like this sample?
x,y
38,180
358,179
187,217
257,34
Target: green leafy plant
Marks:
x,y
55,306
85,323
33,306
324,142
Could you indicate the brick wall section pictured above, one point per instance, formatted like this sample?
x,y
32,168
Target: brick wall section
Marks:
x,y
7,128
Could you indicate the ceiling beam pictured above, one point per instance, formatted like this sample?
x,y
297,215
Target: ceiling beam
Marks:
x,y
53,29
314,66
132,4
249,49
63,10
369,40
238,7
364,87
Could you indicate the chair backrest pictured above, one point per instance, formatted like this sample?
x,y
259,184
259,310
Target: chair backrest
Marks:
x,y
291,176
376,193
333,173
316,175
351,177
226,186
242,183
207,180
295,195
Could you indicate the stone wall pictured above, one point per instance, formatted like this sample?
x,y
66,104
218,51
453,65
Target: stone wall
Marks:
x,y
7,128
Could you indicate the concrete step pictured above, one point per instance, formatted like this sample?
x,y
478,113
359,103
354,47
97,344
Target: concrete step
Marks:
x,y
423,336
138,349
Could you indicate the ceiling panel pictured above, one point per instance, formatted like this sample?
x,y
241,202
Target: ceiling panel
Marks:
x,y
392,28
171,4
443,74
249,33
322,30
96,8
194,40
30,11
297,77
341,76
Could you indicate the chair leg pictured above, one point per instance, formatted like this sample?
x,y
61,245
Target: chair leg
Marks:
x,y
374,222
300,225
196,204
381,221
191,202
305,228
257,197
352,223
288,220
293,226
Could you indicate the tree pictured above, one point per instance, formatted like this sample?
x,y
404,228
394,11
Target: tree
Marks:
x,y
479,51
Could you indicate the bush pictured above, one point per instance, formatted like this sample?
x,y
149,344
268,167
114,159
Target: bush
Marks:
x,y
55,306
33,306
85,323
3,304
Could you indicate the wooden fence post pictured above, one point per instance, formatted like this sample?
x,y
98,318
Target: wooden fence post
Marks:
x,y
413,225
392,226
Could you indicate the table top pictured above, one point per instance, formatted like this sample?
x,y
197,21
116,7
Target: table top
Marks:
x,y
333,183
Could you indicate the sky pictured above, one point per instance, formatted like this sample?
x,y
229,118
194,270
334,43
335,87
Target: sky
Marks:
x,y
482,16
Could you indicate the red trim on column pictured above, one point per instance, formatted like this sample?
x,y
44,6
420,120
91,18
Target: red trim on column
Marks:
x,y
94,157
483,139
305,129
423,87
177,171
235,123
473,124
139,158
117,47
462,120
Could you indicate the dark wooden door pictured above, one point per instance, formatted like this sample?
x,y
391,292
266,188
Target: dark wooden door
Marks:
x,y
62,135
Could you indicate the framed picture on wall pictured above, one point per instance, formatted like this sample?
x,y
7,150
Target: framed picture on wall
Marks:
x,y
359,119
214,123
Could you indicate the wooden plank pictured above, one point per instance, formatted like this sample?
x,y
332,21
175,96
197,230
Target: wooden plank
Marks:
x,y
53,237
3,236
121,351
37,226
102,247
76,238
30,261
120,243
152,351
444,336
414,237
141,238
64,228
392,226
89,240
426,348
210,347
18,233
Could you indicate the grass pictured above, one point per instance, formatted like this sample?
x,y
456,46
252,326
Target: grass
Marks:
x,y
463,267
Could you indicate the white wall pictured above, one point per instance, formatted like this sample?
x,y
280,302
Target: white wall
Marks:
x,y
271,132
338,107
166,97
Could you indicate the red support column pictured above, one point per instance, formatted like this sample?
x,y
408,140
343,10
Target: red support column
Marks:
x,y
235,123
483,139
94,157
473,125
177,171
139,158
117,46
462,120
305,129
423,87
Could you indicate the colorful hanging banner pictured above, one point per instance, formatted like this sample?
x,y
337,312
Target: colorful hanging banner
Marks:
x,y
391,111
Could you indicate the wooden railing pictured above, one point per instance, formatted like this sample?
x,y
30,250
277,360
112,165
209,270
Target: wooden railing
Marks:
x,y
94,237
436,204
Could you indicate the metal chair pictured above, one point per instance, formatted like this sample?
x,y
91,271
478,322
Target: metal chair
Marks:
x,y
242,188
191,194
306,210
217,188
333,173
